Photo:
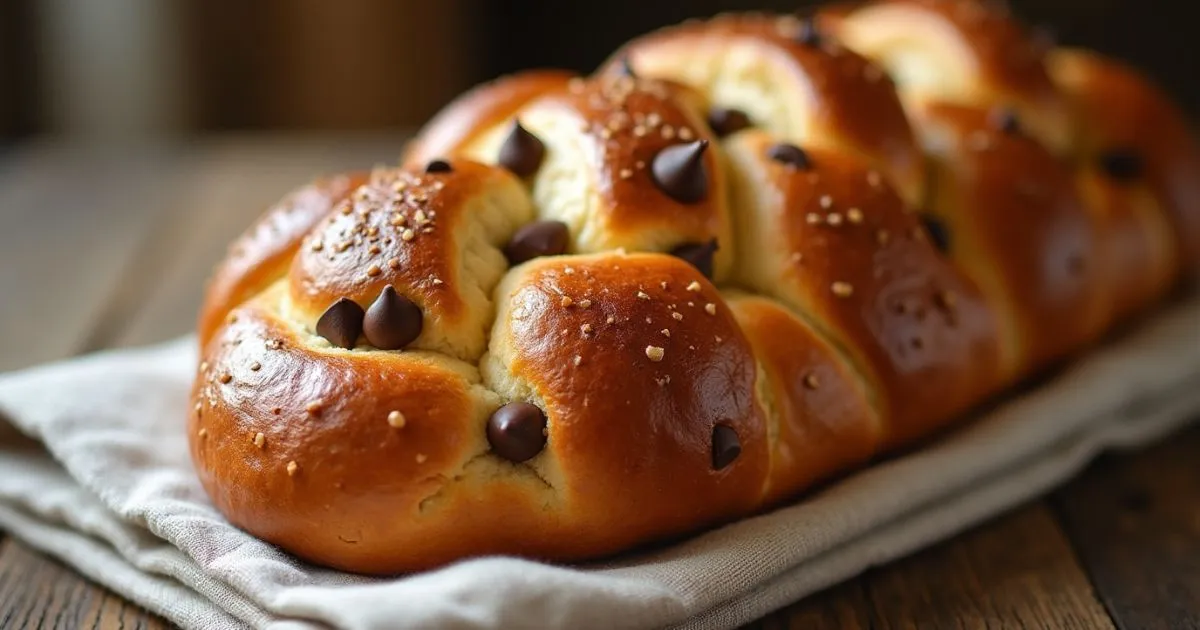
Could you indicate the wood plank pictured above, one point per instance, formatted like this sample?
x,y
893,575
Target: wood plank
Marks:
x,y
1135,523
74,218
843,606
38,592
151,293
78,217
237,179
1016,571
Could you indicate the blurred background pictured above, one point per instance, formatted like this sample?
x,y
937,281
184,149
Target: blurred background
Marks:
x,y
130,68
138,138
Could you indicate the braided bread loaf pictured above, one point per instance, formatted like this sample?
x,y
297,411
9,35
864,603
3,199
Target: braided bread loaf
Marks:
x,y
591,313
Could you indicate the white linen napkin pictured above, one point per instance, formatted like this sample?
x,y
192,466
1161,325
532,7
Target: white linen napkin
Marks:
x,y
106,485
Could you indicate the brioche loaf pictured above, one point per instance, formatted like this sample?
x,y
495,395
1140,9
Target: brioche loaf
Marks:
x,y
584,314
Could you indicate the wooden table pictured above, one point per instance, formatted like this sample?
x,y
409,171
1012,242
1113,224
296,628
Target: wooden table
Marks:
x,y
106,247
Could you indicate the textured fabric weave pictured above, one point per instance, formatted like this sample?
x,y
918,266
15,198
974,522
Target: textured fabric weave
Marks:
x,y
96,473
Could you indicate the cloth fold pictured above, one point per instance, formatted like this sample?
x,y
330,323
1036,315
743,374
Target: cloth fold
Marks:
x,y
97,475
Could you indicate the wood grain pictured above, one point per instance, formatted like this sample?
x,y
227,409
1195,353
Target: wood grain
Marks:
x,y
1016,571
1135,522
227,189
38,592
76,219
128,244
845,606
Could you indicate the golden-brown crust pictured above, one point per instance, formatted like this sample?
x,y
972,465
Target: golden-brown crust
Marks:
x,y
603,136
477,110
1119,108
263,253
823,420
411,230
588,401
332,479
632,409
869,279
1020,229
824,94
336,479
977,54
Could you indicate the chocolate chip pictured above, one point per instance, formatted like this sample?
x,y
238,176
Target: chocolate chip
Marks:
x,y
808,34
679,171
790,154
392,321
1005,119
522,152
725,121
438,166
341,323
540,238
699,255
939,233
725,446
517,431
1121,164
627,67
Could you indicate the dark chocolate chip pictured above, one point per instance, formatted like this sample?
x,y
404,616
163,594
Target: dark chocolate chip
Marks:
x,y
522,152
725,121
1121,164
1005,119
627,67
392,321
438,166
679,171
699,255
540,238
939,233
517,431
790,154
808,33
725,446
341,323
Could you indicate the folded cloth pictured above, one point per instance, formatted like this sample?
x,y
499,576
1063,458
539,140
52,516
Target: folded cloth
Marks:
x,y
105,485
